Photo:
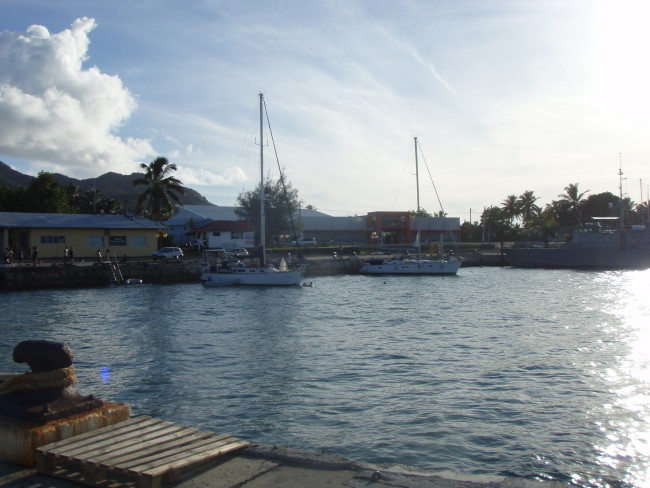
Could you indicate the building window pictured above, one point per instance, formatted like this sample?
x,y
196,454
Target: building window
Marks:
x,y
117,241
139,241
95,241
236,235
52,239
216,234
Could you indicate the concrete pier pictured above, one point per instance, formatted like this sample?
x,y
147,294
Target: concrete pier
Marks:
x,y
266,466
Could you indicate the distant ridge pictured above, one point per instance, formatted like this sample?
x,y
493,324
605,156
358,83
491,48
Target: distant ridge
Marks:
x,y
112,185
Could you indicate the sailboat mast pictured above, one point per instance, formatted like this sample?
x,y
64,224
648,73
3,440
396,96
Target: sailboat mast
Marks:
x,y
417,192
262,211
620,191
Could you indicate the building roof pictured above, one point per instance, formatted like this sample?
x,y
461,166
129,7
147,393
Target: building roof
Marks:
x,y
225,225
74,221
217,212
200,213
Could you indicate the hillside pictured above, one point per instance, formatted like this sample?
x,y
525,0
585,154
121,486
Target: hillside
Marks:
x,y
112,185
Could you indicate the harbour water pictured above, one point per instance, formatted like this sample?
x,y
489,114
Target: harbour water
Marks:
x,y
541,374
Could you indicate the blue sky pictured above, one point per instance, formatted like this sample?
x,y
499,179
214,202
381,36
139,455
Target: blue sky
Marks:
x,y
504,95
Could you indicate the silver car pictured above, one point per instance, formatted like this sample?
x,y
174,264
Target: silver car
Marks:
x,y
168,253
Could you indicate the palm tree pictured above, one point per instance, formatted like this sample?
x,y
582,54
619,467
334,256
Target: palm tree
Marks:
x,y
156,201
510,207
556,212
527,205
574,200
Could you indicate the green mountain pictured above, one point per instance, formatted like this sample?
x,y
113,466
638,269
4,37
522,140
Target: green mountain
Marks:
x,y
112,185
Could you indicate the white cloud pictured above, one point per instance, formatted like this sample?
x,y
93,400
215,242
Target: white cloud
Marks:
x,y
56,113
201,177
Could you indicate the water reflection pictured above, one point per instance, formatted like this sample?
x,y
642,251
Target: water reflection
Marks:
x,y
626,426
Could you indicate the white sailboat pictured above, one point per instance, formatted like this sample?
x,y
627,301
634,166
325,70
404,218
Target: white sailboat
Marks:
x,y
224,272
418,266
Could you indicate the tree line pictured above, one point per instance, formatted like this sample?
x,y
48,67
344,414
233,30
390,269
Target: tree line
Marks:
x,y
521,215
514,217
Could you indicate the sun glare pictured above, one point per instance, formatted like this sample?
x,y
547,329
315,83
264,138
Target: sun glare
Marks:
x,y
630,438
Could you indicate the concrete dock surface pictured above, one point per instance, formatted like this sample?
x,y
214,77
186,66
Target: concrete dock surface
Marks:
x,y
275,466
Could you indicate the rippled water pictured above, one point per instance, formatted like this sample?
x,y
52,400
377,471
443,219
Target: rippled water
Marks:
x,y
532,373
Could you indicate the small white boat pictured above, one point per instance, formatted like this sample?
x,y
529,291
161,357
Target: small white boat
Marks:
x,y
133,281
448,266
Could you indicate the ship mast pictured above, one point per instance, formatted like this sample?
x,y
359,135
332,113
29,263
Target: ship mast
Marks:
x,y
417,186
620,192
262,211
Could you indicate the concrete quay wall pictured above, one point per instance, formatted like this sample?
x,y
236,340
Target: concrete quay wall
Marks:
x,y
58,275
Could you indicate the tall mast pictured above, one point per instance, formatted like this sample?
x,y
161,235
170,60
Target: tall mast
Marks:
x,y
262,211
417,186
620,191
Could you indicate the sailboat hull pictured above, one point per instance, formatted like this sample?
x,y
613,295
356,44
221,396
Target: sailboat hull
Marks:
x,y
412,267
249,276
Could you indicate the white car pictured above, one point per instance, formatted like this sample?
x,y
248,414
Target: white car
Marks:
x,y
168,253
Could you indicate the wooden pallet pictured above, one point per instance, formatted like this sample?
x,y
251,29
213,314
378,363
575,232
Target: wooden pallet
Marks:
x,y
142,451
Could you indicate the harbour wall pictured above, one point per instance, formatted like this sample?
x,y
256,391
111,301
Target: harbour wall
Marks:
x,y
59,275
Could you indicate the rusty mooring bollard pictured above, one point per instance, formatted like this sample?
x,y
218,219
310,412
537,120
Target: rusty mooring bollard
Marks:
x,y
47,392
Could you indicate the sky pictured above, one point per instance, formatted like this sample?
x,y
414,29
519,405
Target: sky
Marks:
x,y
504,96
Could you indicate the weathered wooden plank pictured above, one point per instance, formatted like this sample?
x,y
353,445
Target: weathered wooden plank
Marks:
x,y
171,455
198,457
160,451
137,449
145,452
109,430
103,439
110,449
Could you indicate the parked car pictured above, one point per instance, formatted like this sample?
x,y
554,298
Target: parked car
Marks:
x,y
168,253
237,252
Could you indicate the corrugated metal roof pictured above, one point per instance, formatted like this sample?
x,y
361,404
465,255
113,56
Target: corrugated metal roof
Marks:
x,y
225,225
75,221
202,212
217,212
